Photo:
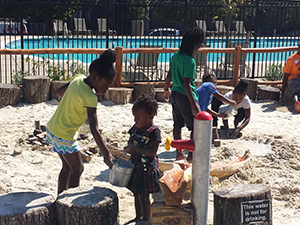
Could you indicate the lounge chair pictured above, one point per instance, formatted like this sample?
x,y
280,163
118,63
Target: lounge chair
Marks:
x,y
61,27
201,24
220,27
231,57
146,63
80,27
240,28
102,27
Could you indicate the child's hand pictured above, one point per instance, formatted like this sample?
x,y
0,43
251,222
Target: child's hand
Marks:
x,y
233,134
222,115
129,149
232,102
167,96
108,160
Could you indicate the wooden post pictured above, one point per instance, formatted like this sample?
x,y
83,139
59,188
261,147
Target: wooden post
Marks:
x,y
9,94
87,206
243,201
119,62
237,60
35,89
267,93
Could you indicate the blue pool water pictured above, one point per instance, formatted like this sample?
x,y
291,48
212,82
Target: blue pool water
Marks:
x,y
170,42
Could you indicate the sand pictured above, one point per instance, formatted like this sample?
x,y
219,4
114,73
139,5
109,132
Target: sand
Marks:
x,y
271,136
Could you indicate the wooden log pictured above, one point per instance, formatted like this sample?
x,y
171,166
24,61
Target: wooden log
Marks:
x,y
118,95
228,201
37,125
9,94
159,94
143,88
85,157
27,208
54,86
267,93
163,215
87,206
215,134
35,89
252,88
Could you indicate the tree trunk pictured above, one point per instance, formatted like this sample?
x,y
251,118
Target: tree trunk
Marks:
x,y
252,88
118,95
87,206
9,94
54,86
35,89
143,88
27,208
268,93
228,207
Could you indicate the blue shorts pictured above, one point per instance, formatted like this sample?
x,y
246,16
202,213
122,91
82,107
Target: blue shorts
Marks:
x,y
182,110
61,146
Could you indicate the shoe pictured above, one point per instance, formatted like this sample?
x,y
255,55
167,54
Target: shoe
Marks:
x,y
297,106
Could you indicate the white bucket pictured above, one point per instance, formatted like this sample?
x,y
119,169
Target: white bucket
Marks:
x,y
229,110
120,172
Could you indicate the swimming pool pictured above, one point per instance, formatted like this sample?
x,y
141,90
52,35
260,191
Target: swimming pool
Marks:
x,y
166,42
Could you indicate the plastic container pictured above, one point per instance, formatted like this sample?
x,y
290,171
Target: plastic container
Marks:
x,y
229,110
120,172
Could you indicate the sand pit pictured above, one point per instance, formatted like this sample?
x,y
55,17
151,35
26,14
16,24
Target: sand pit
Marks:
x,y
271,136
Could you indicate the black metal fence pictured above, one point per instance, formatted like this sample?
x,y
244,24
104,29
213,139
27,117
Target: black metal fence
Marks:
x,y
143,23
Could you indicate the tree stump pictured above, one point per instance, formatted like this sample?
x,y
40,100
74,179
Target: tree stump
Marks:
x,y
162,214
118,95
54,86
222,89
228,204
267,93
143,88
30,208
87,206
159,94
9,94
252,88
35,89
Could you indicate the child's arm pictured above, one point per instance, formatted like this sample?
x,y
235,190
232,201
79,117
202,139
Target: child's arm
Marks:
x,y
194,104
243,125
167,85
61,91
212,112
223,98
92,115
151,150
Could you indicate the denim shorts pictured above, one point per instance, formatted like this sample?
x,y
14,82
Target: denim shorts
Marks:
x,y
182,112
60,145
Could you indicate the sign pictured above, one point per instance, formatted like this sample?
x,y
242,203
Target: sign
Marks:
x,y
257,211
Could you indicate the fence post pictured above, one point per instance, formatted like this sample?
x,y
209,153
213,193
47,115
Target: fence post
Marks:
x,y
237,59
118,79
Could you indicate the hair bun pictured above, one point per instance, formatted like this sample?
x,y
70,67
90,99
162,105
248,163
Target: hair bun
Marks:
x,y
109,56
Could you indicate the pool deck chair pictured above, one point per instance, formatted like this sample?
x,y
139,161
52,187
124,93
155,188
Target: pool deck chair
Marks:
x,y
102,27
61,27
220,27
240,28
147,64
201,24
80,27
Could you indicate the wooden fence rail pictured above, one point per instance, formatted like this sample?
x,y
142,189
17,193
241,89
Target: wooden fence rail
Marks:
x,y
120,51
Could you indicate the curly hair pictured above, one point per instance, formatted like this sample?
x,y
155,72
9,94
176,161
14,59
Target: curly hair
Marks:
x,y
241,87
208,77
147,103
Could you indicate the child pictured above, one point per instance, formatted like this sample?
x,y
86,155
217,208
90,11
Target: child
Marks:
x,y
78,103
143,145
206,92
239,94
182,73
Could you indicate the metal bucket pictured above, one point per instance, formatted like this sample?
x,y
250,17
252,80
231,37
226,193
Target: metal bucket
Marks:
x,y
120,172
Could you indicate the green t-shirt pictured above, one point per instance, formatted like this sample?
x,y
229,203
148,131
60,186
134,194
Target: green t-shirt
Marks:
x,y
71,112
182,65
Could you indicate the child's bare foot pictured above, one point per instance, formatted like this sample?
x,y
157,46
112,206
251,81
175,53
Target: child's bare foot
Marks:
x,y
136,219
189,159
180,156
